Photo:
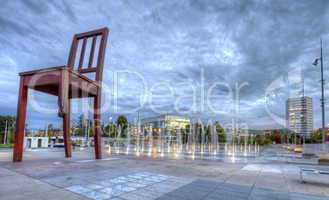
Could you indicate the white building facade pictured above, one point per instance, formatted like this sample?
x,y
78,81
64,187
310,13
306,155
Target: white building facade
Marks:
x,y
36,142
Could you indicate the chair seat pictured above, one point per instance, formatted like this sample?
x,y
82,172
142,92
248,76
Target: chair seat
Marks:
x,y
48,80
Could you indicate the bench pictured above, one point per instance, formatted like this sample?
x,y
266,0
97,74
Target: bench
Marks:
x,y
323,160
313,171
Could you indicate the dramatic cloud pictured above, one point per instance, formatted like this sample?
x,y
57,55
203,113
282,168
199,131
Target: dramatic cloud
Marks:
x,y
174,49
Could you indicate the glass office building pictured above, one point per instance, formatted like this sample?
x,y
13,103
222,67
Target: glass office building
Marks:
x,y
299,115
164,123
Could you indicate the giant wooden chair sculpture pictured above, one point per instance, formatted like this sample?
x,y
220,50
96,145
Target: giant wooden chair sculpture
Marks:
x,y
66,82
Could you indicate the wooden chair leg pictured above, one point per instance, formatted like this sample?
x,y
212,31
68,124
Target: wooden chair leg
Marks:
x,y
66,130
20,122
97,128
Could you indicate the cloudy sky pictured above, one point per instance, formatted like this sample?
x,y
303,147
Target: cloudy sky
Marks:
x,y
211,59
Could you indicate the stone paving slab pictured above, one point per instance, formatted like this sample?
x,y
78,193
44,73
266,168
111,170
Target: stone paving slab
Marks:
x,y
141,185
14,186
228,191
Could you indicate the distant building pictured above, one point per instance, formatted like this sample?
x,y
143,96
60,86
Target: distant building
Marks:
x,y
165,123
134,130
36,142
56,141
299,115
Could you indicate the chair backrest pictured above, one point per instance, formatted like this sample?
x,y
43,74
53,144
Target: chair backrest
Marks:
x,y
95,65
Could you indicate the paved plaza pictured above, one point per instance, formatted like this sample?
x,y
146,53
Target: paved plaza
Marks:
x,y
44,174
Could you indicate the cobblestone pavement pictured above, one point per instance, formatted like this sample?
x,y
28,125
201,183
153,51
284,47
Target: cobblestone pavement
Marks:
x,y
128,178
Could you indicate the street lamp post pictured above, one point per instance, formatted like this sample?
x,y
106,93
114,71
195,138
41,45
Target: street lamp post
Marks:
x,y
322,93
6,133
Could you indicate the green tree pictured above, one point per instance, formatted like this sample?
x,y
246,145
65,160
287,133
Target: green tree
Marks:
x,y
81,126
316,136
6,124
50,130
185,133
91,131
208,132
122,125
263,139
199,129
110,130
221,133
259,139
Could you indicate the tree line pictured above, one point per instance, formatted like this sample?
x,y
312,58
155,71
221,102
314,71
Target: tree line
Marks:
x,y
84,127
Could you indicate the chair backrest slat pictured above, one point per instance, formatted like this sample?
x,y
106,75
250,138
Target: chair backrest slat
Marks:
x,y
101,56
72,55
92,52
82,55
96,35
